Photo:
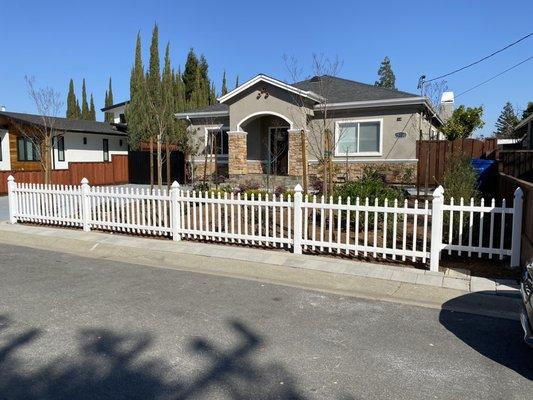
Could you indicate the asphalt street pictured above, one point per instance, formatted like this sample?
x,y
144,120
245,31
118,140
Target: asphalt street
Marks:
x,y
82,328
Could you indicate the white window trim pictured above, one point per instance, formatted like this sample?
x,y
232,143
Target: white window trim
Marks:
x,y
356,121
211,128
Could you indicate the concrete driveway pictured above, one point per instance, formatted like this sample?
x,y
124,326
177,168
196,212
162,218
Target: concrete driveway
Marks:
x,y
83,328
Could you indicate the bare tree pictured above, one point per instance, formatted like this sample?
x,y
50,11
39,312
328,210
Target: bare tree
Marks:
x,y
42,135
320,140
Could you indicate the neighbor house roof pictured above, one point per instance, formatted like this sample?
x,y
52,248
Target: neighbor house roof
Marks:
x,y
65,124
524,122
123,103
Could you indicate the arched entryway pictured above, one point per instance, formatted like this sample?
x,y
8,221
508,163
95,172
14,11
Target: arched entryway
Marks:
x,y
267,143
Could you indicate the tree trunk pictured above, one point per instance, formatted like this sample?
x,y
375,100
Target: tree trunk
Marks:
x,y
159,163
168,154
303,143
330,164
46,150
151,164
205,162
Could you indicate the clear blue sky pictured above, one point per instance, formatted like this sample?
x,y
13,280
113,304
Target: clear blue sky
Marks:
x,y
58,40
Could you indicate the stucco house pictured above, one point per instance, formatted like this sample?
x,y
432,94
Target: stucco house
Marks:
x,y
263,125
74,141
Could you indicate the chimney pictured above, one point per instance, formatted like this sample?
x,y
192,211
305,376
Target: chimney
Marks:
x,y
446,105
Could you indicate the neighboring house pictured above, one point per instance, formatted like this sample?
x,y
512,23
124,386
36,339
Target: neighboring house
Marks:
x,y
76,140
119,112
524,129
257,127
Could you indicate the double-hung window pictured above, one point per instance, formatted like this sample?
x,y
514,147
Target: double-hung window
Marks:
x,y
358,138
61,148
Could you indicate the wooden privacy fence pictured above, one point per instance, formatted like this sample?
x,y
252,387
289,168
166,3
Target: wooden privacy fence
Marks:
x,y
516,162
99,173
432,156
508,185
407,232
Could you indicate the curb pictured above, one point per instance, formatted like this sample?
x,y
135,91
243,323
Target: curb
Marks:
x,y
91,240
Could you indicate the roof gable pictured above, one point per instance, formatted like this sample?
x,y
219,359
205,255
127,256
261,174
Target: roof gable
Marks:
x,y
275,82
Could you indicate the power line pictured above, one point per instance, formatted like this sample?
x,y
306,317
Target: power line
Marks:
x,y
495,76
481,59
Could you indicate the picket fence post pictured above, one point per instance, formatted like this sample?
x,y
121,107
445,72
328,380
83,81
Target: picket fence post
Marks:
x,y
175,213
436,228
12,199
297,231
85,204
516,237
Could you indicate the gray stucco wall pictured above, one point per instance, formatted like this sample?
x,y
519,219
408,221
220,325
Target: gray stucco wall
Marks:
x,y
400,131
278,101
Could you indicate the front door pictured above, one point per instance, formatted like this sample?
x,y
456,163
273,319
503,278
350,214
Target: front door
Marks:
x,y
278,150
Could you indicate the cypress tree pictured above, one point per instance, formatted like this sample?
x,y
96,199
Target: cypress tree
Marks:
x,y
179,92
154,71
224,89
92,111
78,109
190,75
504,127
212,94
109,102
136,109
84,105
386,78
205,82
72,111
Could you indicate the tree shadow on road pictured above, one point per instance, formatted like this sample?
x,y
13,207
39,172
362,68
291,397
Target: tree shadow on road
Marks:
x,y
111,365
498,339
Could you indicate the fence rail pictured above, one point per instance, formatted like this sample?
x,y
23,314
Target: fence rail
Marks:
x,y
413,231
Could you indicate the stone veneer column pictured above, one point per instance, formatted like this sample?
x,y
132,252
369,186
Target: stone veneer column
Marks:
x,y
295,151
237,153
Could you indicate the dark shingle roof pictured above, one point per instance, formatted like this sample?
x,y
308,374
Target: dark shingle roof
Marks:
x,y
123,103
341,90
66,124
213,108
218,107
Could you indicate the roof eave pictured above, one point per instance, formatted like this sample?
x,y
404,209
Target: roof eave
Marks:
x,y
417,100
524,122
205,114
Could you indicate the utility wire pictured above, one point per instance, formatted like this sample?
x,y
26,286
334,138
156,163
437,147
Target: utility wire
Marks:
x,y
495,76
481,59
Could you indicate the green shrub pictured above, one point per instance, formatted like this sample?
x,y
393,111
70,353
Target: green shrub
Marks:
x,y
371,185
460,179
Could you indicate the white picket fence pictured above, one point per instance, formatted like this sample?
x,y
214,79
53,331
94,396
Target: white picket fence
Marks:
x,y
414,231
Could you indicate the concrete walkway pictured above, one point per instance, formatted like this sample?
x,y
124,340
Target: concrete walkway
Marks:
x,y
346,277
